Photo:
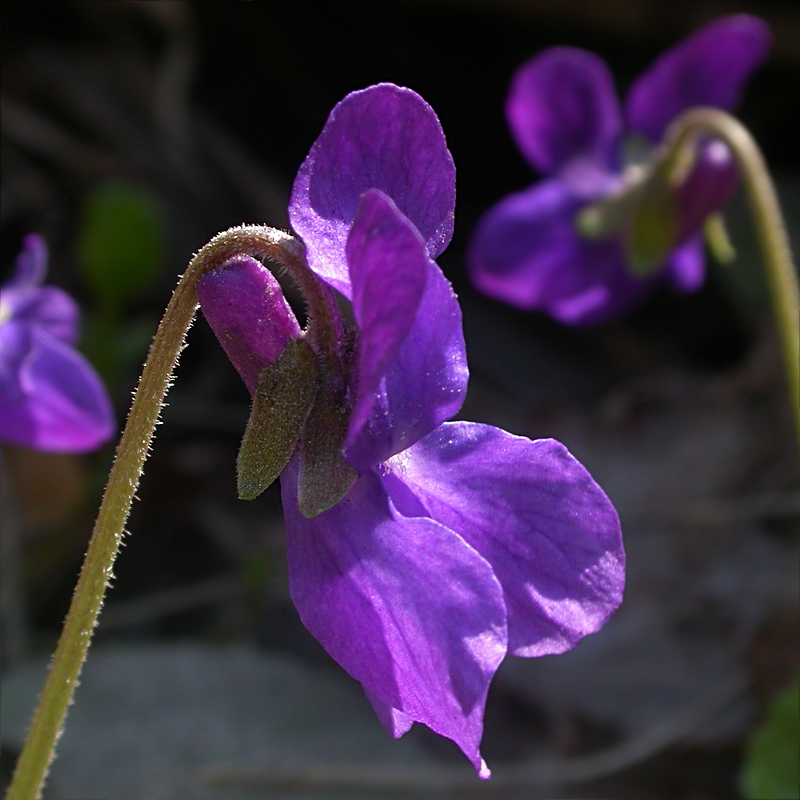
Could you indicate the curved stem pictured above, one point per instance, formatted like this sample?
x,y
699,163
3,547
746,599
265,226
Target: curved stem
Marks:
x,y
87,600
681,138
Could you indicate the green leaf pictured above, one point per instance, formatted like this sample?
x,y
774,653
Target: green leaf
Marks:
x,y
283,399
771,769
121,242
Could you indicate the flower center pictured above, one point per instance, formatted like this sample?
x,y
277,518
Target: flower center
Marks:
x,y
5,312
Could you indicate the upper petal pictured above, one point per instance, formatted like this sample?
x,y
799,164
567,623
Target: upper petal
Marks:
x,y
384,137
246,309
709,68
404,605
526,252
31,265
388,270
561,106
536,515
50,397
423,386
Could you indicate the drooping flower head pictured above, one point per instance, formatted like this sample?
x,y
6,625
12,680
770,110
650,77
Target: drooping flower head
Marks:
x,y
50,397
454,543
565,118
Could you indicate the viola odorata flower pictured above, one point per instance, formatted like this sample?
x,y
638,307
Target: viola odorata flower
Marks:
x,y
593,238
456,543
50,396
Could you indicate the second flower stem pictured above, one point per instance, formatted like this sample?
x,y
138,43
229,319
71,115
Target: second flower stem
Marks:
x,y
781,274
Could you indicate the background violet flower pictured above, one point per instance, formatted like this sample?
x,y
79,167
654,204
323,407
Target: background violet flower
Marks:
x,y
565,118
50,396
458,543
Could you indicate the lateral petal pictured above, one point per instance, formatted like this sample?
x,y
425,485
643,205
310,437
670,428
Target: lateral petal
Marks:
x,y
536,515
423,386
388,270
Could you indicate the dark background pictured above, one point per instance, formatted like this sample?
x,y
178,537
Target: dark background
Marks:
x,y
678,410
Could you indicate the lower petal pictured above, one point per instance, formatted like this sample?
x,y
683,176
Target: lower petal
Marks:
x,y
404,605
536,515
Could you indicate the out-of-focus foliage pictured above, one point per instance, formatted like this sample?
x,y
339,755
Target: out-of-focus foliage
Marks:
x,y
120,252
772,763
121,242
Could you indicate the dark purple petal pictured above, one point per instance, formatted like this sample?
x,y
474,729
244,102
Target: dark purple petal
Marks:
x,y
686,268
31,265
526,252
562,106
709,68
536,515
50,397
388,269
246,309
386,138
708,187
404,605
424,385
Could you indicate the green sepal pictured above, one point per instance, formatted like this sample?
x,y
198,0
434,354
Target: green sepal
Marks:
x,y
282,402
653,229
717,239
325,477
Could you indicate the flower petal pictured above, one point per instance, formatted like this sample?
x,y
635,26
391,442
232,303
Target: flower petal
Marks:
x,y
50,397
49,308
389,270
246,309
424,385
31,265
384,137
404,605
526,252
709,68
536,515
708,187
396,722
562,106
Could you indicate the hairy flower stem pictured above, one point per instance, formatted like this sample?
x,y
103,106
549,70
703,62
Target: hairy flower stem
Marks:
x,y
87,600
681,139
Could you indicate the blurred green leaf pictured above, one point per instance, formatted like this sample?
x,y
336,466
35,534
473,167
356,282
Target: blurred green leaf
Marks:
x,y
772,761
121,243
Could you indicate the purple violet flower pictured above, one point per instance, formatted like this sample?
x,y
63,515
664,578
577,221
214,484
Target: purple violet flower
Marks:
x,y
458,543
50,397
566,120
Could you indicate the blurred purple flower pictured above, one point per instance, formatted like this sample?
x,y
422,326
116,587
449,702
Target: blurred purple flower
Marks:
x,y
565,117
458,542
50,397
